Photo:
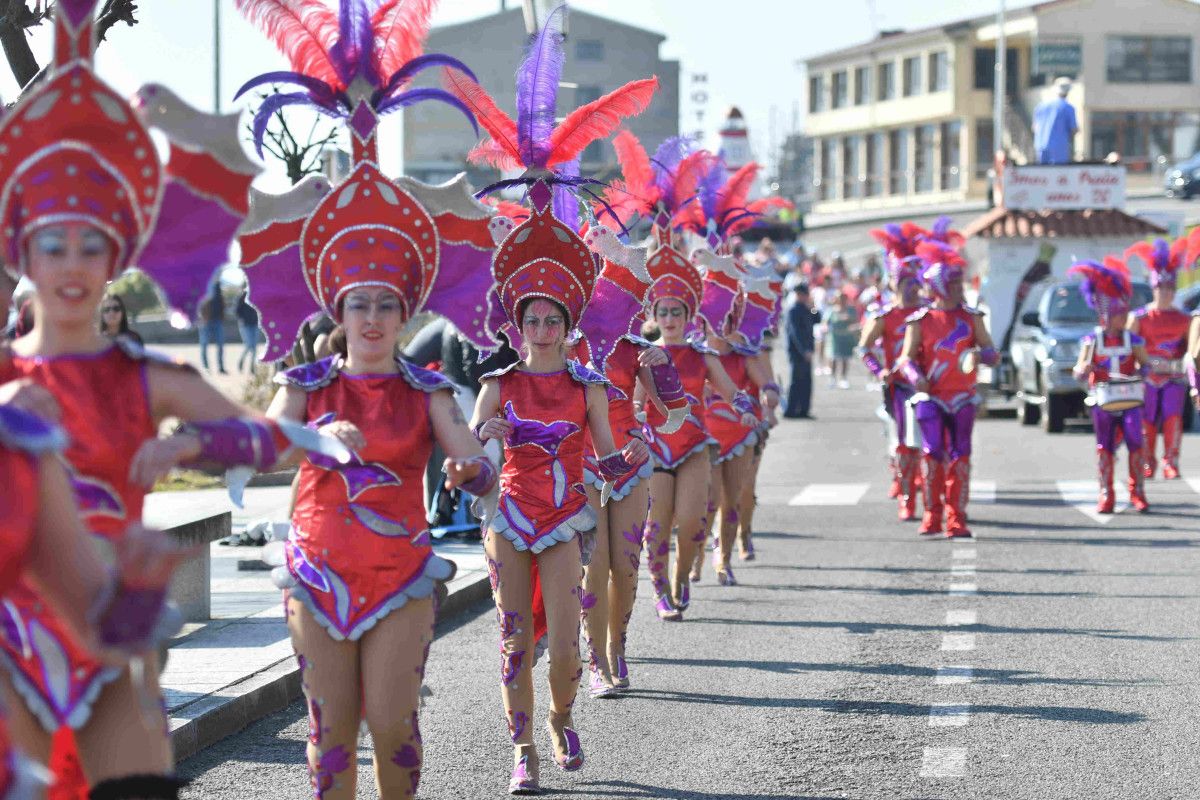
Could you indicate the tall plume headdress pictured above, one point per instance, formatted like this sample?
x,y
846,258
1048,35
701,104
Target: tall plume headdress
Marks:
x,y
1163,259
428,244
74,151
543,256
1106,286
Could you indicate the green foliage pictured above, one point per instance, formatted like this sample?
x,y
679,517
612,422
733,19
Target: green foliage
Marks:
x,y
137,291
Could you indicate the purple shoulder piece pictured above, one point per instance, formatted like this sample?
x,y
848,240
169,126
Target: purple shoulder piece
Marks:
x,y
584,375
496,373
916,316
612,313
640,341
311,377
138,352
1137,341
744,349
21,430
425,380
700,346
1087,338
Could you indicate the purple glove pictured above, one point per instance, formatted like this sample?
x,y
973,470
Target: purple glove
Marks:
x,y
912,373
872,361
131,620
613,466
773,387
989,356
742,403
233,442
482,483
667,385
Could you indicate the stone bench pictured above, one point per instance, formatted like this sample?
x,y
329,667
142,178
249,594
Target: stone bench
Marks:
x,y
191,588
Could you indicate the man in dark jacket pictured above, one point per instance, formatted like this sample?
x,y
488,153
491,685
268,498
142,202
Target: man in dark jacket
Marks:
x,y
799,329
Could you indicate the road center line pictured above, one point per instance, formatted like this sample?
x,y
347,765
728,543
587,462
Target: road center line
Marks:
x,y
958,641
830,494
953,675
962,569
962,553
958,618
949,715
962,589
944,762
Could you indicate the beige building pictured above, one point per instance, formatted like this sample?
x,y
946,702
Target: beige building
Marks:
x,y
907,118
601,55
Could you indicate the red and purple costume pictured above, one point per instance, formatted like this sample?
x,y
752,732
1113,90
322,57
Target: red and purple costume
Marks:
x,y
723,421
621,369
359,545
1113,355
672,449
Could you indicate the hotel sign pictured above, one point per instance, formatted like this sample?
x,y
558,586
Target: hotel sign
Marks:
x,y
1065,186
1055,57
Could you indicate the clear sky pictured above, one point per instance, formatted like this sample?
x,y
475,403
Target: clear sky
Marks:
x,y
747,48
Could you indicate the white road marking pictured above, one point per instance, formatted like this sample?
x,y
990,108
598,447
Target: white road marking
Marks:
x,y
957,618
1084,494
953,675
1194,483
958,641
963,553
962,589
962,569
949,715
983,491
830,494
944,762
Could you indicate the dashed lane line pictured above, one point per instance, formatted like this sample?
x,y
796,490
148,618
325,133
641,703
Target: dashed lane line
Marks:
x,y
962,569
1194,483
961,618
983,491
949,715
1082,495
954,675
962,589
962,553
944,762
830,494
958,642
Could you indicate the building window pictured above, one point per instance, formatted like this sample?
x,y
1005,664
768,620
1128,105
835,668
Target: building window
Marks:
x,y
985,69
1145,139
829,158
816,93
951,155
912,76
839,90
926,158
898,170
594,152
1149,59
862,86
887,81
876,144
985,155
852,187
939,71
589,49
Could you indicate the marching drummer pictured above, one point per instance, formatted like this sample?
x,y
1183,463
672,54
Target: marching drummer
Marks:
x,y
1111,358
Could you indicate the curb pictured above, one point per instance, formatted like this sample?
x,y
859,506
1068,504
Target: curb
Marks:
x,y
233,708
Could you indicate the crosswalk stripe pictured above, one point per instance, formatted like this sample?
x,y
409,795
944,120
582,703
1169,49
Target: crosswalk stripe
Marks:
x,y
944,762
830,494
949,715
953,675
964,617
952,642
1082,495
1194,483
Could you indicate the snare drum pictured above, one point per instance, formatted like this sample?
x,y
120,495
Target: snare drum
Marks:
x,y
1119,395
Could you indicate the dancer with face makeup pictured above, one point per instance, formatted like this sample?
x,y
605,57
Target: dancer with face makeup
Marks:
x,y
90,197
1112,355
359,573
942,346
540,406
1164,329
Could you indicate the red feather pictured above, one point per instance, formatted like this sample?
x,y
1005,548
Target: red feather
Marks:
x,y
598,119
507,208
635,164
400,27
304,32
762,207
688,175
624,201
1193,248
490,154
1144,251
1179,249
500,126
737,189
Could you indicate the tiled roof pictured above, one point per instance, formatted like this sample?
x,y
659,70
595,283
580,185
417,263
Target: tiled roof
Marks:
x,y
1090,223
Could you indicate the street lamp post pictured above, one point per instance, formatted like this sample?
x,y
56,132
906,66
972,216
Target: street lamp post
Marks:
x,y
217,56
1001,80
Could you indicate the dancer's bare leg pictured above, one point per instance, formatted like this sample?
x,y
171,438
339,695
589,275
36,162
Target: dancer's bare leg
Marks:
x,y
562,575
626,520
691,491
733,474
596,603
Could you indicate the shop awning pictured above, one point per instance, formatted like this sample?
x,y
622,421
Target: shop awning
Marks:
x,y
1000,223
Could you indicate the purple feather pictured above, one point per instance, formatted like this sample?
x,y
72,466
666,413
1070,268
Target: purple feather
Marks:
x,y
894,231
322,93
1162,254
710,188
666,160
566,204
352,53
271,104
418,64
537,90
940,226
414,96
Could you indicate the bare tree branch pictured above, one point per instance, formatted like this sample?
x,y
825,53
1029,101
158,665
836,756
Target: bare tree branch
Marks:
x,y
298,159
17,17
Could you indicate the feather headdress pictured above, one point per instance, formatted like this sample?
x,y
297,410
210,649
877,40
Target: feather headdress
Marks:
x,y
941,264
900,240
1106,287
1164,259
941,232
353,64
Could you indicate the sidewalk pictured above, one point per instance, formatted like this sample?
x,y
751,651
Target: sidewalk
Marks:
x,y
223,674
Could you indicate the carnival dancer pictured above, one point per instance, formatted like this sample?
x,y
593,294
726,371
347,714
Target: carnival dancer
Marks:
x,y
540,406
84,196
360,573
1193,358
1111,359
884,336
942,346
1164,329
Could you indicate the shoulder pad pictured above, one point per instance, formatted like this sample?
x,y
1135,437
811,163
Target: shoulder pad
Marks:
x,y
584,375
701,347
496,373
973,311
1141,312
633,338
311,377
425,380
138,352
1087,338
1136,341
917,316
21,430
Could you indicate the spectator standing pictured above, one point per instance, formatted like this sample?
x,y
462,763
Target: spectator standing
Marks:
x,y
841,320
114,319
212,326
799,329
247,321
1055,126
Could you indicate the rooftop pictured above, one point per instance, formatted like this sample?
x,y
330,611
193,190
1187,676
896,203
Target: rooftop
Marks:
x,y
1092,223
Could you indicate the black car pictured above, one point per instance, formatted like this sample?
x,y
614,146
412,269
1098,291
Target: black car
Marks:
x,y
1183,179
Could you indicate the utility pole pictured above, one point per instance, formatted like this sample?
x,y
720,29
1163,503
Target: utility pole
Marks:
x,y
217,56
1001,80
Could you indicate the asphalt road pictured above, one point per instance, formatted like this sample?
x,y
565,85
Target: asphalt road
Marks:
x,y
855,244
1053,657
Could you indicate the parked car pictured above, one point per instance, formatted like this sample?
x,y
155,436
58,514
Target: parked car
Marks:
x,y
1045,347
1183,179
1188,300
